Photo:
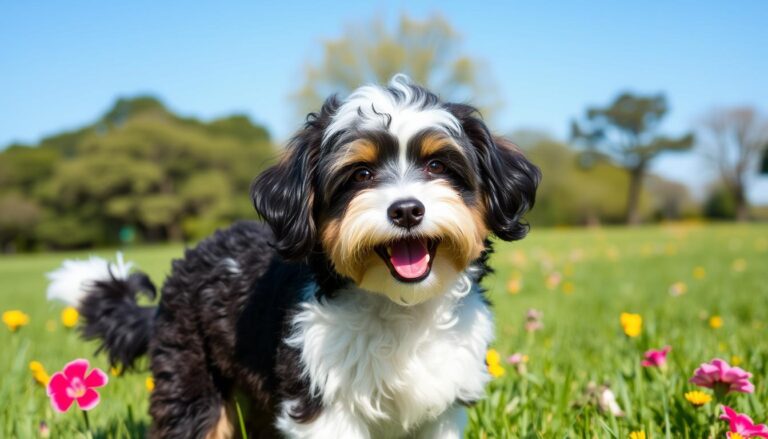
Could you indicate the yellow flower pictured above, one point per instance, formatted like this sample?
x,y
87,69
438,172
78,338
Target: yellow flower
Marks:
x,y
736,360
493,360
637,435
715,322
514,286
739,265
39,373
736,436
568,287
69,316
632,324
15,319
114,371
150,383
699,272
698,398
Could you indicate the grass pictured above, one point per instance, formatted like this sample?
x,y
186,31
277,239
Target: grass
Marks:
x,y
581,280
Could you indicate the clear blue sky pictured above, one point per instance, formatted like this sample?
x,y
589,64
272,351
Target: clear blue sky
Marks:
x,y
63,63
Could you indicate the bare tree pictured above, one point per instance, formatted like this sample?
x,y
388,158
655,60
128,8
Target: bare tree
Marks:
x,y
733,140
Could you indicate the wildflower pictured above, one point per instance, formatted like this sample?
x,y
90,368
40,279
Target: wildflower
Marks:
x,y
69,316
72,384
493,360
715,322
736,360
149,383
739,265
533,320
742,426
553,280
114,371
568,287
656,357
514,286
42,430
699,273
15,319
39,373
722,378
637,435
698,398
518,361
632,324
678,289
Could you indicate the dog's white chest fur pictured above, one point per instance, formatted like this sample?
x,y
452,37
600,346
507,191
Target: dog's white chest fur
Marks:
x,y
389,367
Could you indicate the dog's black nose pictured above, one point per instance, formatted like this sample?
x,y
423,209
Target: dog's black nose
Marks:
x,y
406,213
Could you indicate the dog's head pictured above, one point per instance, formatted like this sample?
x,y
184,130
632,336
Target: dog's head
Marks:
x,y
397,189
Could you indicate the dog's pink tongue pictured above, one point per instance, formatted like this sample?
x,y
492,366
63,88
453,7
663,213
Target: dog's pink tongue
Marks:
x,y
410,258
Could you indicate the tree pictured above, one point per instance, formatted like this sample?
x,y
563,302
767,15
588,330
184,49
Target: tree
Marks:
x,y
428,51
735,143
627,132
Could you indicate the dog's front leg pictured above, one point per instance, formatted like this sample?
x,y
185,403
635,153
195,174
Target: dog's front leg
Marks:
x,y
333,422
449,425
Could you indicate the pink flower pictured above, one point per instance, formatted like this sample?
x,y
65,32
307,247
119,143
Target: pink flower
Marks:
x,y
656,357
72,384
742,424
723,378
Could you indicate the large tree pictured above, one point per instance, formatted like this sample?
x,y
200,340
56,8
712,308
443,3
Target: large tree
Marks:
x,y
626,131
428,51
735,142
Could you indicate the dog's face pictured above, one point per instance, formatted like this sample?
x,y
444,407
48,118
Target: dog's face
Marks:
x,y
398,190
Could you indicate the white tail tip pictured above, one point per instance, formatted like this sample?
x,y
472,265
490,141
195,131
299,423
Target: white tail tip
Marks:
x,y
69,283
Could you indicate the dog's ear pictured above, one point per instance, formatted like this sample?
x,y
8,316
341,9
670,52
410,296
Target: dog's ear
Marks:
x,y
508,179
284,194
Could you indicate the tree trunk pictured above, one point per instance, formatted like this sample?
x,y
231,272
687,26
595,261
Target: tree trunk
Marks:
x,y
636,176
742,205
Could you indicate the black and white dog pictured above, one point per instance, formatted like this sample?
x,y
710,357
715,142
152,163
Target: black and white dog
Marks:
x,y
355,311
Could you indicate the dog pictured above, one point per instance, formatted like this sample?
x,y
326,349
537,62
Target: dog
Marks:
x,y
354,309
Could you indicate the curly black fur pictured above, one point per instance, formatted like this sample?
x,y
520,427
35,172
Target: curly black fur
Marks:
x,y
111,314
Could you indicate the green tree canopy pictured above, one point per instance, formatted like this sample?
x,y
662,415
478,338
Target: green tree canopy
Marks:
x,y
428,51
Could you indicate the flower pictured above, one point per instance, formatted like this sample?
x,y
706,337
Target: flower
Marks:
x,y
39,373
715,322
514,286
697,398
150,383
739,265
632,324
553,280
699,272
736,360
493,360
723,378
517,358
741,425
533,320
637,435
656,357
69,316
678,289
568,287
72,384
15,319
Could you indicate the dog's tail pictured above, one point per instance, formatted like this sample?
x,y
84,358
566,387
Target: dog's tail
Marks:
x,y
105,295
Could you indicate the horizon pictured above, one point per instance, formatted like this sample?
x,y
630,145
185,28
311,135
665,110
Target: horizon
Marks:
x,y
66,64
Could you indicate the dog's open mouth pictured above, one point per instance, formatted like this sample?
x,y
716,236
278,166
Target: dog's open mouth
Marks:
x,y
409,259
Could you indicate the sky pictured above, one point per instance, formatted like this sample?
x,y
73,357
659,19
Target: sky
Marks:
x,y
62,64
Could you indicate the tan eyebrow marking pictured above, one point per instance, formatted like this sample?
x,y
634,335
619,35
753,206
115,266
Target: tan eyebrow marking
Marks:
x,y
359,151
432,143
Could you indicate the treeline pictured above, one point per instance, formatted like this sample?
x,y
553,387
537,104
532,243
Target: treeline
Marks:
x,y
139,173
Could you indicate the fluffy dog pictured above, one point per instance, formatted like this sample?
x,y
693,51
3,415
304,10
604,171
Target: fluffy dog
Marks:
x,y
354,310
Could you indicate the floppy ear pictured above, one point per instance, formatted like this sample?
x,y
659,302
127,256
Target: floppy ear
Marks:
x,y
509,180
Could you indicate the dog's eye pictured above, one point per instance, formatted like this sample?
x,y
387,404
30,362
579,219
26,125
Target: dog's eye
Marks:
x,y
436,167
362,174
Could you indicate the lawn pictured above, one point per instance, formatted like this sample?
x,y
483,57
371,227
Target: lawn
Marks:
x,y
700,289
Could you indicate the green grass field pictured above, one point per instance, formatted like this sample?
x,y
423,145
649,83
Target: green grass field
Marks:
x,y
581,280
